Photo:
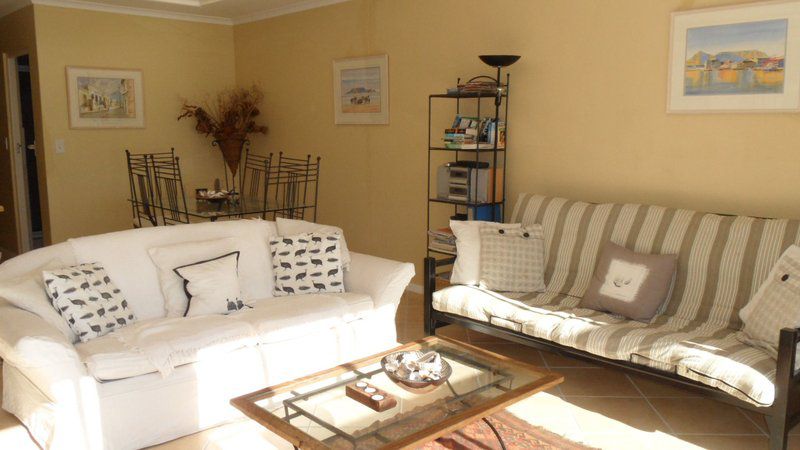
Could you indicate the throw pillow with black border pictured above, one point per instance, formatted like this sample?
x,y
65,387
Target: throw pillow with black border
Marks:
x,y
307,263
88,300
212,285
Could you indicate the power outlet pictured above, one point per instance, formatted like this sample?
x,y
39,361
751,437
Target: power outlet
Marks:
x,y
61,147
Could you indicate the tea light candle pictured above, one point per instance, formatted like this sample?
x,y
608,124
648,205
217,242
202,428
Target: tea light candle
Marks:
x,y
370,390
377,397
361,385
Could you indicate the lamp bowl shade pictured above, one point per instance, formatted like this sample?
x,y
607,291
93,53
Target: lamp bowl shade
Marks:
x,y
499,60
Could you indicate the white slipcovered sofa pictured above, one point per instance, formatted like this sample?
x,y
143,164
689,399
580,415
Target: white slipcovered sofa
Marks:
x,y
104,395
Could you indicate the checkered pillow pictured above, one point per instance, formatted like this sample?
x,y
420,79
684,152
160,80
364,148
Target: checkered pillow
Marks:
x,y
512,259
776,304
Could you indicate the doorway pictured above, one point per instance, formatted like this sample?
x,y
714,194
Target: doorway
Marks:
x,y
23,136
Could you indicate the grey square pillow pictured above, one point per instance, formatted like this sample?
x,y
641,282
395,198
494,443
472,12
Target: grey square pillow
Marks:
x,y
512,258
630,284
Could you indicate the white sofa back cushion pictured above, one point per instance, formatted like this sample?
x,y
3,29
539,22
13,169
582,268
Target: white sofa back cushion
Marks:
x,y
124,254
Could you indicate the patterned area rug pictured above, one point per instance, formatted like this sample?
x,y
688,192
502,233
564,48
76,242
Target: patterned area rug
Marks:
x,y
516,434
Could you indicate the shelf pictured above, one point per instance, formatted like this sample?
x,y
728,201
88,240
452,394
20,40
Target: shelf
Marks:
x,y
472,150
467,95
458,202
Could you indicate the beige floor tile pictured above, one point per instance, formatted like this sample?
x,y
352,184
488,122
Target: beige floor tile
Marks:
x,y
615,415
720,442
555,360
703,416
454,332
550,412
596,382
519,352
652,387
637,441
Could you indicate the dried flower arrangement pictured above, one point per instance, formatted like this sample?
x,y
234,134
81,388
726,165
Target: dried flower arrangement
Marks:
x,y
229,120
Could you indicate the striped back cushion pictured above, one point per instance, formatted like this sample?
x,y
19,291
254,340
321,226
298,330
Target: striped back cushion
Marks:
x,y
722,260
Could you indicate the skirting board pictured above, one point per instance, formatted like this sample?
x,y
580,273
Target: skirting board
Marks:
x,y
415,288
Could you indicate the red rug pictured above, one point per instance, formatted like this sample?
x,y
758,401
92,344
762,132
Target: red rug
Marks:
x,y
516,434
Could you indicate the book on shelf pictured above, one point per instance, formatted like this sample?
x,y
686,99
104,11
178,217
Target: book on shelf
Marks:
x,y
442,239
474,133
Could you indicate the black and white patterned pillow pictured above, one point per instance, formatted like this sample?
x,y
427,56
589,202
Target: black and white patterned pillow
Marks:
x,y
307,263
88,300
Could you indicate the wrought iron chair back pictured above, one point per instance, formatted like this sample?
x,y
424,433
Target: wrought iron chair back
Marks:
x,y
170,194
295,183
254,178
140,176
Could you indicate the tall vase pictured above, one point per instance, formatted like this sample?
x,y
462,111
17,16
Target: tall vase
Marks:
x,y
231,148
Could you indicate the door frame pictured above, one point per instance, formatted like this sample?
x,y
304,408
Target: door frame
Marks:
x,y
16,147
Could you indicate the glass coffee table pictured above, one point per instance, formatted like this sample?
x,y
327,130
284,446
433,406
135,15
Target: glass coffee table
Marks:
x,y
315,412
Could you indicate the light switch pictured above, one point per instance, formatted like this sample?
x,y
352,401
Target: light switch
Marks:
x,y
60,146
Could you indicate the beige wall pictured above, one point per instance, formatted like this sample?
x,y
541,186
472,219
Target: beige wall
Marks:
x,y
587,110
88,184
17,38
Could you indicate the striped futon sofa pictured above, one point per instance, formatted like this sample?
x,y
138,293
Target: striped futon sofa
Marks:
x,y
722,260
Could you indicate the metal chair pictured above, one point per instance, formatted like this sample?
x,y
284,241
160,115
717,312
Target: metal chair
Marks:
x,y
295,181
170,194
141,185
254,178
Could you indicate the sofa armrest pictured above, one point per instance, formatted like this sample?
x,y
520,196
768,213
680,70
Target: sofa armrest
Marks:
x,y
29,343
383,279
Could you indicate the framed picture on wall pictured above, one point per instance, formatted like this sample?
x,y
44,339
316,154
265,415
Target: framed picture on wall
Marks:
x,y
743,58
361,90
105,98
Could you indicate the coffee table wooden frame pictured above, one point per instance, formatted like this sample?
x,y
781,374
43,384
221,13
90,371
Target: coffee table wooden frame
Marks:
x,y
300,439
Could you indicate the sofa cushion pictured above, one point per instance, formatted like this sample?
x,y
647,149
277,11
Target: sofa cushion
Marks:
x,y
307,262
630,284
88,300
160,345
212,286
512,259
125,256
285,318
775,306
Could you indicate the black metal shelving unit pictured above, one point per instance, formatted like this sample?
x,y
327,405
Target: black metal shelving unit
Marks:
x,y
496,156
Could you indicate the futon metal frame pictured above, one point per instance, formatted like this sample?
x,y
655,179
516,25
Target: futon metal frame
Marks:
x,y
781,416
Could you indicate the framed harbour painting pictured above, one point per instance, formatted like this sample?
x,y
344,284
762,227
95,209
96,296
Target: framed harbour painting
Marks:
x,y
743,58
361,90
105,98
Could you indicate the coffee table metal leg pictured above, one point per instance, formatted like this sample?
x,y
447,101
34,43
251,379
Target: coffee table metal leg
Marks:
x,y
496,433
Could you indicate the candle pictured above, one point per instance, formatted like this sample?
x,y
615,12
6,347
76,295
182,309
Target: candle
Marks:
x,y
370,390
361,385
377,397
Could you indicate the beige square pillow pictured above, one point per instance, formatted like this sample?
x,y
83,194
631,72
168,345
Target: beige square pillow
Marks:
x,y
630,284
512,259
775,305
467,268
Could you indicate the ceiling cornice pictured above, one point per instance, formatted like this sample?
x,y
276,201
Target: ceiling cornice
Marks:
x,y
148,12
132,11
283,10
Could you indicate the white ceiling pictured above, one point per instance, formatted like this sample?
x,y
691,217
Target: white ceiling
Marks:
x,y
214,11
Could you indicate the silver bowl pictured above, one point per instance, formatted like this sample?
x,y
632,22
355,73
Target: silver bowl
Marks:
x,y
416,385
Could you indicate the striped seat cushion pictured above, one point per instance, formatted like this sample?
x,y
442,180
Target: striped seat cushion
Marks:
x,y
706,353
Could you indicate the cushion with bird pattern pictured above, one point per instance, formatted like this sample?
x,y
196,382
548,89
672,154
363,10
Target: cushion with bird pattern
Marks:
x,y
88,300
307,263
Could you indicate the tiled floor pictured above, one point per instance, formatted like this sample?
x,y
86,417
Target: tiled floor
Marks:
x,y
598,406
